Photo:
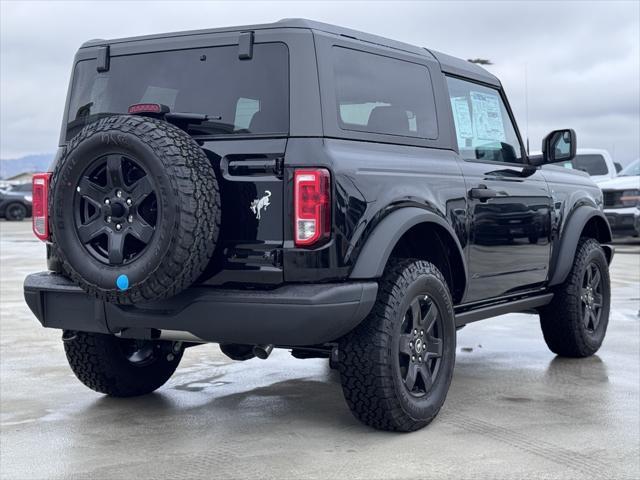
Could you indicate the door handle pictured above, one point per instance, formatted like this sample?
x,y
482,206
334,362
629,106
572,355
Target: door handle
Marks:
x,y
481,192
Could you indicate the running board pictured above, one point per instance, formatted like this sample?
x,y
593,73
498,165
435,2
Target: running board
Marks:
x,y
489,311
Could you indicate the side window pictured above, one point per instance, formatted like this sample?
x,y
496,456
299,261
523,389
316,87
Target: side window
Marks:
x,y
379,94
484,130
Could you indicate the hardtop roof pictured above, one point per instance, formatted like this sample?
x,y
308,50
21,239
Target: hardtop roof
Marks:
x,y
448,63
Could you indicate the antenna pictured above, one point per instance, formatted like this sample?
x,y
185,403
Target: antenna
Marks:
x,y
526,105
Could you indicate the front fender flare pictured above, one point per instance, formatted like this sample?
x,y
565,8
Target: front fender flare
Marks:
x,y
563,256
376,252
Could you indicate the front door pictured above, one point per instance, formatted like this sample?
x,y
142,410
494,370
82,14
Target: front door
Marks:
x,y
508,202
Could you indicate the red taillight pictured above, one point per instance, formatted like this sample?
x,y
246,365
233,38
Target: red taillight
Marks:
x,y
312,206
40,205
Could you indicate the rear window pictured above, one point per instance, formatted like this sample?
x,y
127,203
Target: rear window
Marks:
x,y
380,94
240,96
592,164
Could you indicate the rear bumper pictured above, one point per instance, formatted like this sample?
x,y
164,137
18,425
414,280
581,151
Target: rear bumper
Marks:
x,y
302,314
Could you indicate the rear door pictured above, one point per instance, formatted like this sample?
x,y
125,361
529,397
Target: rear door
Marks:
x,y
508,203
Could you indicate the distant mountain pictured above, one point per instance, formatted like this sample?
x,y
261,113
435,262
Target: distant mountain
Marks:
x,y
30,163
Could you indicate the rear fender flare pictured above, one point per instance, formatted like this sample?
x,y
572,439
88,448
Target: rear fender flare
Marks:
x,y
376,252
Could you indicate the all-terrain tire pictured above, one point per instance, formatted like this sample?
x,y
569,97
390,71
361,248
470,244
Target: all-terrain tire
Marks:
x,y
369,364
102,364
564,321
188,206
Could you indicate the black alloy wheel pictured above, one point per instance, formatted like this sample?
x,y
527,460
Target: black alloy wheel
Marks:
x,y
591,298
420,345
115,209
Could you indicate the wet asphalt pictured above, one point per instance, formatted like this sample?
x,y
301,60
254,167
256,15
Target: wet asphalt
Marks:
x,y
514,409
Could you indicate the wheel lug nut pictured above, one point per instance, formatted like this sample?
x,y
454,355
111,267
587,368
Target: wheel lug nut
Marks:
x,y
415,332
118,226
108,219
419,359
410,344
130,219
119,194
413,358
107,201
129,202
421,332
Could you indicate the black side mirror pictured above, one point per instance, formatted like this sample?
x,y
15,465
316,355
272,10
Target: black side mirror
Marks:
x,y
559,146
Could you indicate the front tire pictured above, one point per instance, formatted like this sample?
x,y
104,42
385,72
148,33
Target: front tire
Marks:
x,y
574,324
396,366
120,367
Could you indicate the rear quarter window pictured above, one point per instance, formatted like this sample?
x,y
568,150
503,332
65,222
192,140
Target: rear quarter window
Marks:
x,y
379,94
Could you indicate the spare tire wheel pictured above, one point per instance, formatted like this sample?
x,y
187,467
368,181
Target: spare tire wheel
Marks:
x,y
135,209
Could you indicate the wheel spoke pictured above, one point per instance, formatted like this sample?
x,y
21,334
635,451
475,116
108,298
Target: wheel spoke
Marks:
x,y
114,171
425,373
434,347
594,319
404,343
595,281
91,191
416,317
116,248
588,276
412,376
430,317
141,230
585,317
597,300
141,189
91,230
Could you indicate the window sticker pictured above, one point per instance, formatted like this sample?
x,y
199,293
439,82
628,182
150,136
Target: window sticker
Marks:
x,y
462,121
487,116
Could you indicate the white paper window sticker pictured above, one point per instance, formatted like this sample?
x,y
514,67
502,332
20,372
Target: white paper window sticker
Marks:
x,y
462,121
487,117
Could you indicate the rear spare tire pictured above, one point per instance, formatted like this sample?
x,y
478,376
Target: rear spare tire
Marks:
x,y
135,209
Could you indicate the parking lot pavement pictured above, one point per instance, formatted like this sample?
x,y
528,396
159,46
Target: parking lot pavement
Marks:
x,y
514,409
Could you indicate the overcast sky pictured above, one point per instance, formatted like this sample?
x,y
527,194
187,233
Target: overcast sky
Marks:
x,y
582,58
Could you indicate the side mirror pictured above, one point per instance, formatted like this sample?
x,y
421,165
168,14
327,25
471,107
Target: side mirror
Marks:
x,y
559,146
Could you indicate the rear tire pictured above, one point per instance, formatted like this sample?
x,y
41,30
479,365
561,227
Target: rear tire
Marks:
x,y
574,324
15,212
396,366
120,367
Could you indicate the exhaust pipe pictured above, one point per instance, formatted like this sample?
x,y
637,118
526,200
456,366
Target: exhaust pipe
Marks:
x,y
262,351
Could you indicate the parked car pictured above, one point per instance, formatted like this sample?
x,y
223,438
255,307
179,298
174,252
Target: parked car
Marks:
x,y
304,186
15,206
19,187
597,163
622,201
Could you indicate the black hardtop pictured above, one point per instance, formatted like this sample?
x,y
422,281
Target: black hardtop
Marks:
x,y
449,64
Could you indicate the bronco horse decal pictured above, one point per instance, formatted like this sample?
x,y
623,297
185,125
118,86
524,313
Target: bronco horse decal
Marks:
x,y
260,204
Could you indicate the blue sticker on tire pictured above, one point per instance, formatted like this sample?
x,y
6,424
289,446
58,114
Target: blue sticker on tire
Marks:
x,y
122,282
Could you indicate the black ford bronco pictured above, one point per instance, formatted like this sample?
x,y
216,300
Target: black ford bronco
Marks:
x,y
303,186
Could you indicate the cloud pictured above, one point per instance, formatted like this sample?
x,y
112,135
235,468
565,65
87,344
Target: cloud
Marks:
x,y
582,58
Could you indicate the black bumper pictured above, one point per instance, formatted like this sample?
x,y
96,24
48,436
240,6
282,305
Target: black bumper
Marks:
x,y
302,314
